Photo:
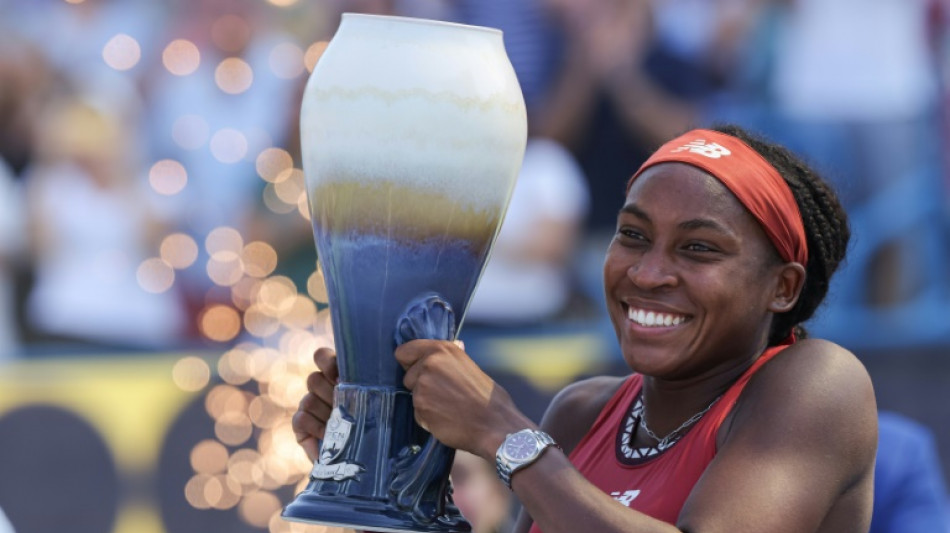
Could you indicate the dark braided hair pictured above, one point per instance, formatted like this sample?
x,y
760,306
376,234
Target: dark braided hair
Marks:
x,y
826,229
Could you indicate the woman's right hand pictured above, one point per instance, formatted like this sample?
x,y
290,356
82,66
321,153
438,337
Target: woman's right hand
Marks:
x,y
310,420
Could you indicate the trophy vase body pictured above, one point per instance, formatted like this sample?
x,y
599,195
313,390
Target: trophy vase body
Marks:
x,y
412,135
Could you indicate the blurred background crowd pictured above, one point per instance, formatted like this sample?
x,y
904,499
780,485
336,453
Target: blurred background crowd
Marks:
x,y
153,212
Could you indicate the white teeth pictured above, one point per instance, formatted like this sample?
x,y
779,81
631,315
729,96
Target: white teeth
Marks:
x,y
654,319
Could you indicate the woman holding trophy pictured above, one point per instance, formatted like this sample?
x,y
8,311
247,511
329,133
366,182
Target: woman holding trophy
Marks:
x,y
731,419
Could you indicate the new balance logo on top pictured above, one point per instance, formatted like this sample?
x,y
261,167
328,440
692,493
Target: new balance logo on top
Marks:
x,y
699,146
625,497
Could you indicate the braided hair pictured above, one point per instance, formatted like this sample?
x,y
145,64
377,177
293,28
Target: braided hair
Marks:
x,y
826,230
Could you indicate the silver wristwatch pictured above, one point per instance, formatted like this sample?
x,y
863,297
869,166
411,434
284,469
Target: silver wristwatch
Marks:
x,y
519,450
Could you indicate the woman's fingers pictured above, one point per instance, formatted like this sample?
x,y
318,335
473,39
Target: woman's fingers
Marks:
x,y
325,359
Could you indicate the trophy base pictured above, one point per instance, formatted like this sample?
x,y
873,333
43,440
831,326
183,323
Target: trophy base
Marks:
x,y
365,515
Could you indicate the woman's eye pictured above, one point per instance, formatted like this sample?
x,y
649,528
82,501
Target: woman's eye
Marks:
x,y
631,233
698,247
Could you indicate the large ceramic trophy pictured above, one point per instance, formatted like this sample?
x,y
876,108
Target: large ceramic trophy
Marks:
x,y
412,132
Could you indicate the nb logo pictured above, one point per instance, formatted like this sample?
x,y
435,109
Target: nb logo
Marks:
x,y
699,146
625,497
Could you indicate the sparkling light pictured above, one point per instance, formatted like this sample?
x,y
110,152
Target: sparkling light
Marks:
x,y
181,57
302,313
228,145
286,60
258,507
155,275
234,367
122,52
233,429
234,75
276,296
219,323
282,3
225,399
260,259
271,162
225,268
274,203
190,131
317,286
209,457
195,491
290,187
259,323
313,53
224,239
245,291
179,250
191,373
230,493
167,177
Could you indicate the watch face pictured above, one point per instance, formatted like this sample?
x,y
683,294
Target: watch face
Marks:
x,y
521,446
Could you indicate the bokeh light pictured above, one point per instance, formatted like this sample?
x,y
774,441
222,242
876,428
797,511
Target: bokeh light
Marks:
x,y
260,259
271,162
233,428
155,275
122,52
225,268
258,507
234,75
167,177
191,373
317,286
224,238
181,57
209,457
290,187
219,323
179,250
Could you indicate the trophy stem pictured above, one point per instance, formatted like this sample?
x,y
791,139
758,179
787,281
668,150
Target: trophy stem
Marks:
x,y
407,493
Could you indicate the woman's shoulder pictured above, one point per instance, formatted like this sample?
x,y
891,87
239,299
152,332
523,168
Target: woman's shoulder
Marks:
x,y
818,389
573,410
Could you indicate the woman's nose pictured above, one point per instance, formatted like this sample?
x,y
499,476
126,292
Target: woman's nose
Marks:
x,y
652,270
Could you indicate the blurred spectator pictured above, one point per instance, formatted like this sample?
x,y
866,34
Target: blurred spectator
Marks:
x,y
24,85
215,100
91,231
632,73
10,244
481,497
910,495
528,278
856,89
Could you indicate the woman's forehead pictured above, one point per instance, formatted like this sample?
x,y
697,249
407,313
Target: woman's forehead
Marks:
x,y
679,187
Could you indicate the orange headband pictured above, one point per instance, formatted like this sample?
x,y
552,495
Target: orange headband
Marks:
x,y
751,178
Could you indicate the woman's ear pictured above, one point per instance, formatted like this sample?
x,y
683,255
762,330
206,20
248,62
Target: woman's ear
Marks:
x,y
788,286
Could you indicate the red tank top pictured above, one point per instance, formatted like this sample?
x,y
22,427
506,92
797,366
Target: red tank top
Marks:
x,y
657,486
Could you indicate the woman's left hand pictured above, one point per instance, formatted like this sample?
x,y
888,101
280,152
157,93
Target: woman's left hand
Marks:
x,y
455,400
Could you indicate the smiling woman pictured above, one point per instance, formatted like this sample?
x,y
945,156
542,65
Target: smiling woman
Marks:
x,y
731,419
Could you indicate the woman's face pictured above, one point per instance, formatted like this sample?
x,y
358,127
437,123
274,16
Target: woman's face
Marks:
x,y
690,276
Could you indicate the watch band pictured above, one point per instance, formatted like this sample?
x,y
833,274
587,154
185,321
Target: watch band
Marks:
x,y
506,467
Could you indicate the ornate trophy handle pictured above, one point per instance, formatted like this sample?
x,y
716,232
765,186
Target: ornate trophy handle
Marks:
x,y
420,474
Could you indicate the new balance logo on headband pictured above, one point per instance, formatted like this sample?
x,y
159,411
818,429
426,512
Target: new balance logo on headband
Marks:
x,y
699,146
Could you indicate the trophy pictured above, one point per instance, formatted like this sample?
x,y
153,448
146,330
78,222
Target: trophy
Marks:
x,y
413,132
